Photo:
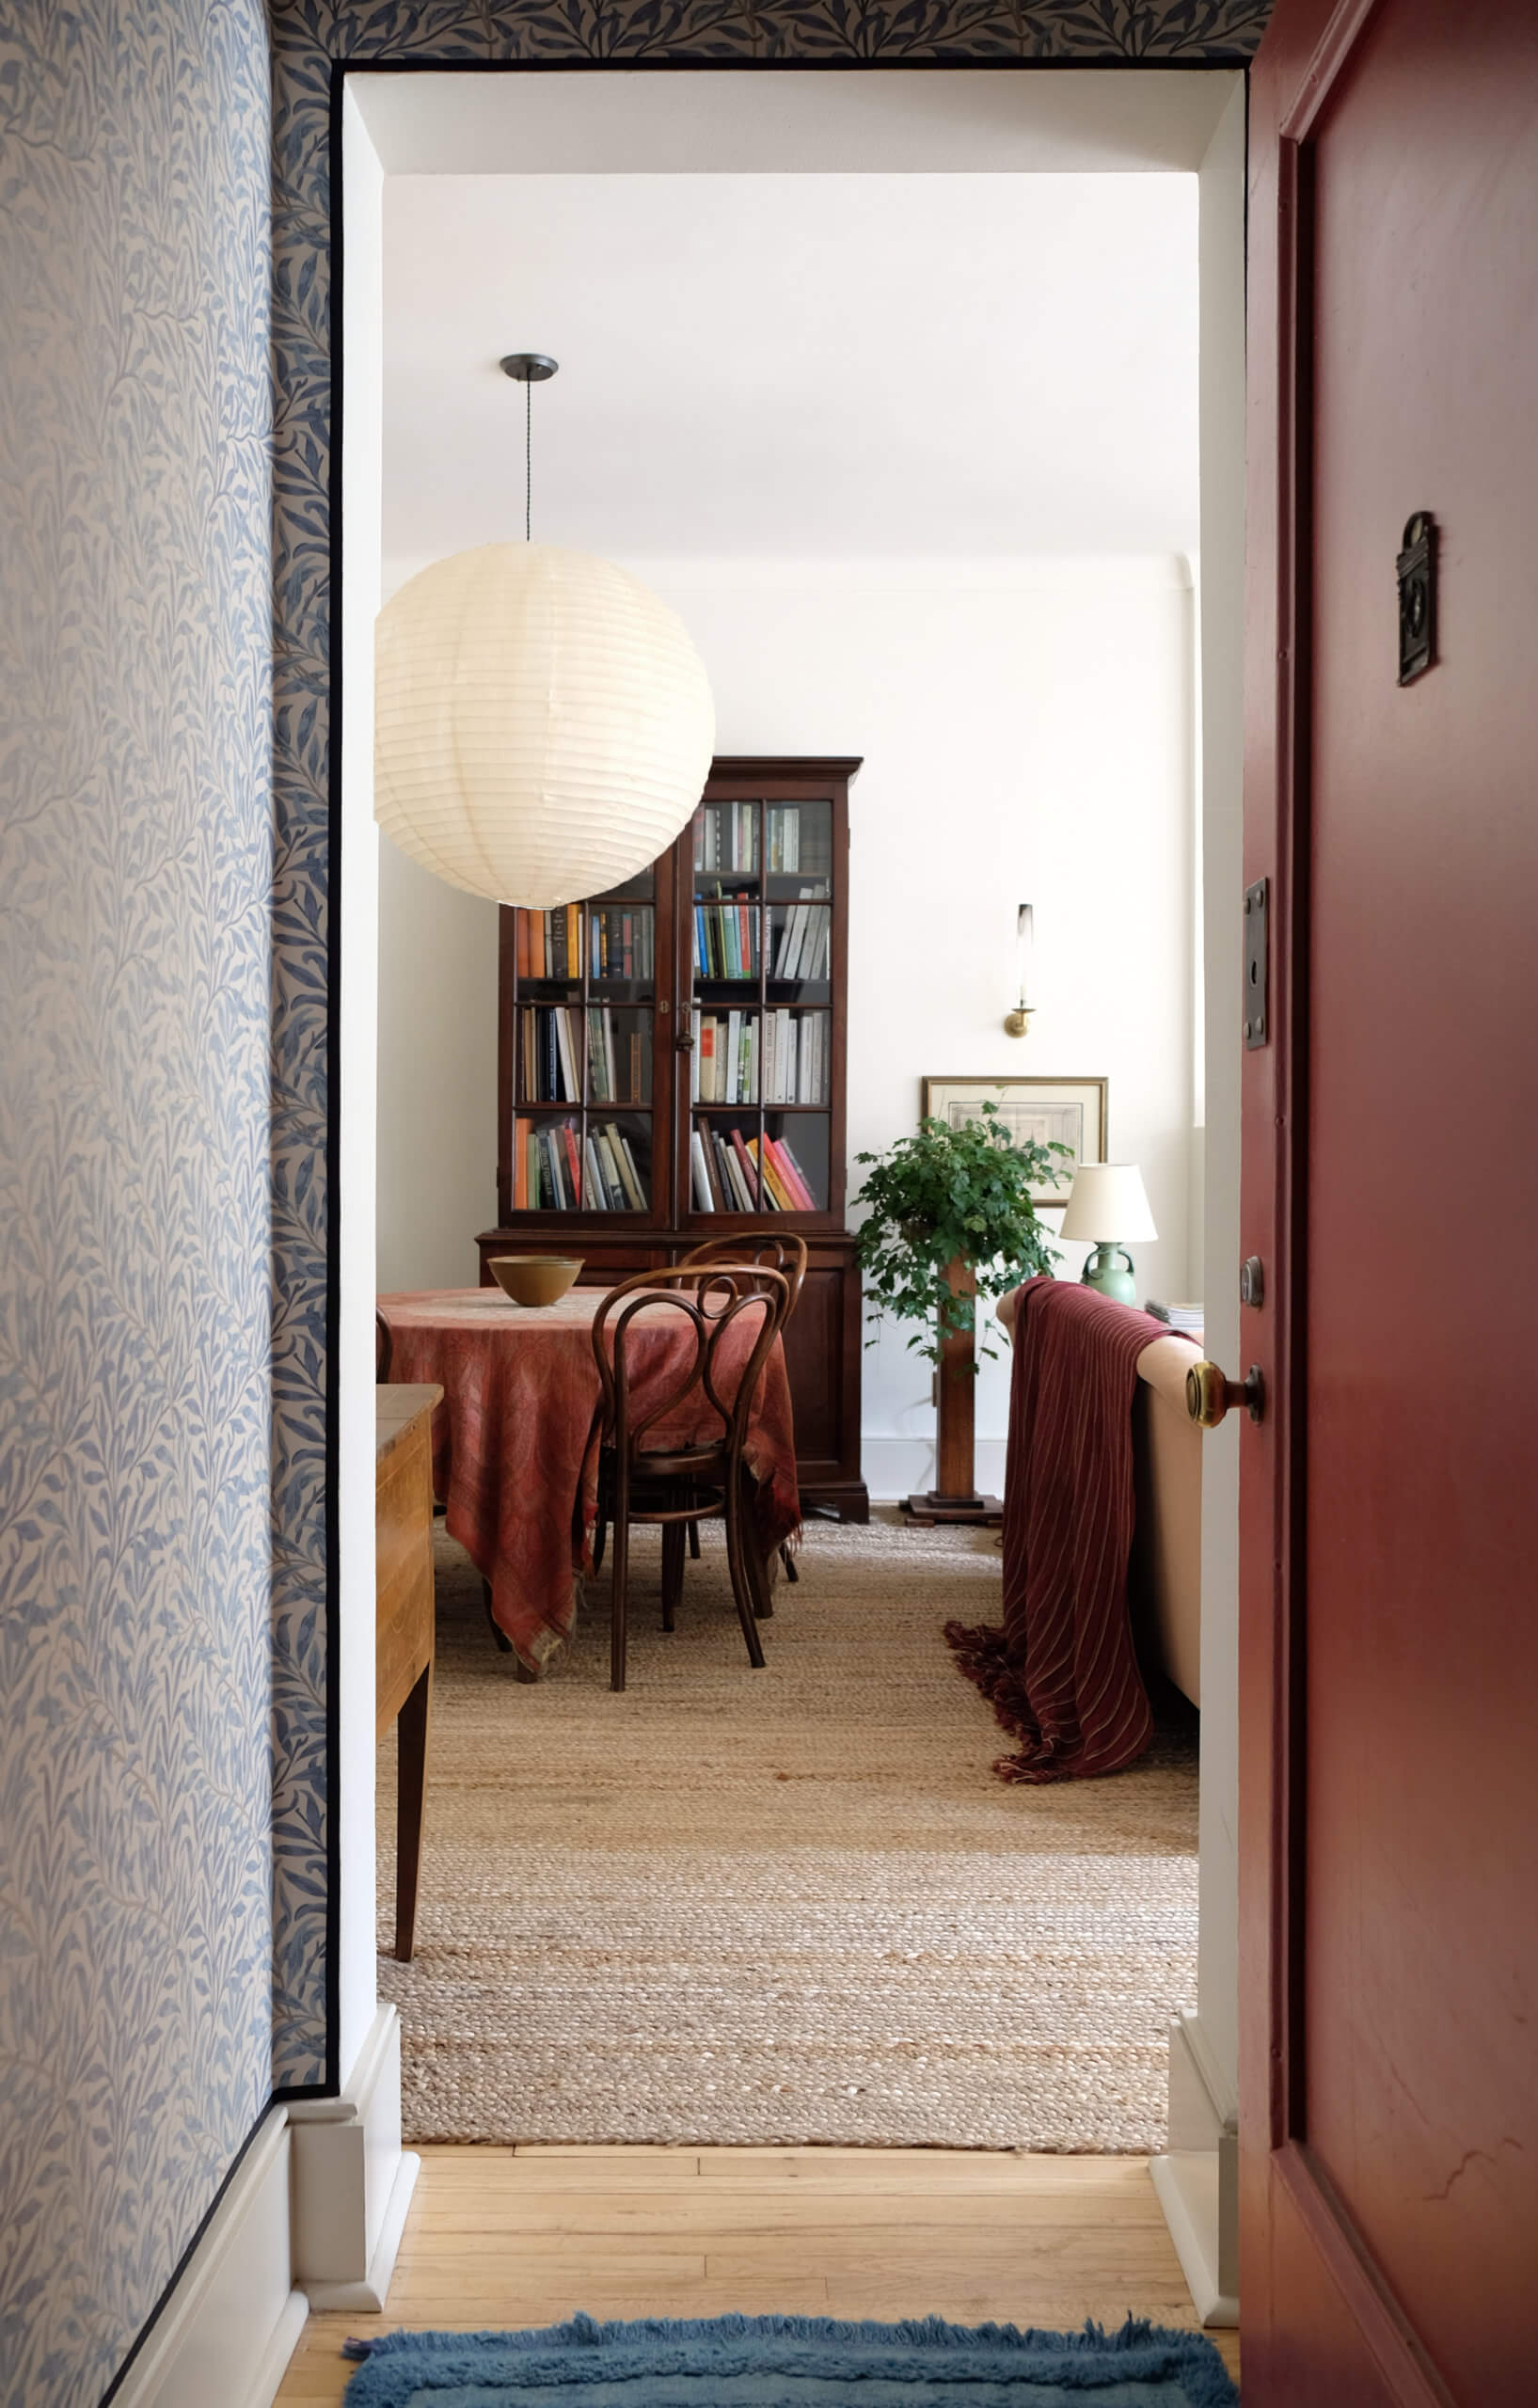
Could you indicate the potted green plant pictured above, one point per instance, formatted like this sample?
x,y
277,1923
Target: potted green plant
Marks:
x,y
949,1218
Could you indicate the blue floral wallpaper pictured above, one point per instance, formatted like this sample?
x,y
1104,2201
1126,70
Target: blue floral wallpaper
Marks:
x,y
135,849
309,38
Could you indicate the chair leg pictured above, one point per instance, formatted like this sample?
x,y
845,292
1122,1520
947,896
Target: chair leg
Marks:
x,y
789,1562
504,1645
694,1542
619,1595
755,1564
745,1591
673,1569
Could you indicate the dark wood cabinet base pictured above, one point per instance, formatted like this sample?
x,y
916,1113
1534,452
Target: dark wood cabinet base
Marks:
x,y
846,1502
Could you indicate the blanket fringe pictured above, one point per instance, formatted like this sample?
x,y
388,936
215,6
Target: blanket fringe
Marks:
x,y
982,1654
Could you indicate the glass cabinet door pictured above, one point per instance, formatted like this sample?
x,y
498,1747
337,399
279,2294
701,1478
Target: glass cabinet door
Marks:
x,y
585,1087
760,899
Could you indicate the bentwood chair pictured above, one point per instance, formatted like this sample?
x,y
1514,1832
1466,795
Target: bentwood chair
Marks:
x,y
722,1320
781,1250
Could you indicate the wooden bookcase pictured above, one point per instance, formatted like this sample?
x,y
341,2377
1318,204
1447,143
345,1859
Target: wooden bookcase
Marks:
x,y
670,1066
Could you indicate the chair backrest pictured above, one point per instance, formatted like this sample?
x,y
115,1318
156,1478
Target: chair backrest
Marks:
x,y
781,1250
716,1306
383,1345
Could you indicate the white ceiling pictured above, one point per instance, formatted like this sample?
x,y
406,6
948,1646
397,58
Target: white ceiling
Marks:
x,y
785,365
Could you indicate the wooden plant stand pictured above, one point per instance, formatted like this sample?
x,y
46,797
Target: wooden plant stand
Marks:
x,y
954,1498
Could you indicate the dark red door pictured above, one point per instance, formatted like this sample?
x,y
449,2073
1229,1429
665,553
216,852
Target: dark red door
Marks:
x,y
1389,1511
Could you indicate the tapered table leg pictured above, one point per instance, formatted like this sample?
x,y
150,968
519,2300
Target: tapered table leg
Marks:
x,y
411,1784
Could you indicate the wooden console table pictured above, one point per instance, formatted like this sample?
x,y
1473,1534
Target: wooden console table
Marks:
x,y
402,1489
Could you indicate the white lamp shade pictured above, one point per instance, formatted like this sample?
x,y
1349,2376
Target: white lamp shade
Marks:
x,y
543,725
1107,1204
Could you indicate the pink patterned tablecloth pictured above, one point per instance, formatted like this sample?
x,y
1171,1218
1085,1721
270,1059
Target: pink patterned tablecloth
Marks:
x,y
516,1439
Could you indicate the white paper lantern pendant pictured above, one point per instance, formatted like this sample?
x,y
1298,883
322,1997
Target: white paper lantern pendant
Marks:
x,y
543,725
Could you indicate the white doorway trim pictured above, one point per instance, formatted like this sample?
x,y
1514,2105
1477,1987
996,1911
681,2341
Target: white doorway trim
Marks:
x,y
695,121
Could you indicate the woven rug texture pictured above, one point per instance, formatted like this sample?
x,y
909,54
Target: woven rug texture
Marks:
x,y
786,1907
780,2361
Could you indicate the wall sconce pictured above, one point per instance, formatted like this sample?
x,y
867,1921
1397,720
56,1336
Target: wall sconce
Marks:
x,y
1017,1022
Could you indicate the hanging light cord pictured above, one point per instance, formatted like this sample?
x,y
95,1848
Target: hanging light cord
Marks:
x,y
527,460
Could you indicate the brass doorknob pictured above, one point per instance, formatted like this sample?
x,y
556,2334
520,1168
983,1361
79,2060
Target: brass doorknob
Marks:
x,y
1209,1394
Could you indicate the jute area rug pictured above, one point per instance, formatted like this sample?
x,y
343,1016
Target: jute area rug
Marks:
x,y
786,1907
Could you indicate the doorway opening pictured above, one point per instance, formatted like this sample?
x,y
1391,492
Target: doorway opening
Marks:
x,y
841,379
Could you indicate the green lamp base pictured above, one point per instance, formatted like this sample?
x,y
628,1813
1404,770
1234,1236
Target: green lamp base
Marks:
x,y
1106,1275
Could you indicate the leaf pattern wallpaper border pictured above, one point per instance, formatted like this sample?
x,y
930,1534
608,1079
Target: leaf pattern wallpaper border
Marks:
x,y
136,879
310,40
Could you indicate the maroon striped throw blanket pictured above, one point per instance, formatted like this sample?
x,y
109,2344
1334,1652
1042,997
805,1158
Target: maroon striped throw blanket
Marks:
x,y
1061,1675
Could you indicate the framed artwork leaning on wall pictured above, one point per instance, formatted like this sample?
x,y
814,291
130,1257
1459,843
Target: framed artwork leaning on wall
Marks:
x,y
1042,1112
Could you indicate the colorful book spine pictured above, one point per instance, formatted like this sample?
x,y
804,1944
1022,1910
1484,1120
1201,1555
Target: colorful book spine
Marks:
x,y
787,1157
800,1195
574,1161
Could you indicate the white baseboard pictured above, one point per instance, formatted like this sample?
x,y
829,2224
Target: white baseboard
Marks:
x,y
229,2327
892,1467
351,2180
1197,2178
1186,2182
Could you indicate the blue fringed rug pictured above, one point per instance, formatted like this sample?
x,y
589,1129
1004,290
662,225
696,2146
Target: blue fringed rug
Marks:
x,y
791,2362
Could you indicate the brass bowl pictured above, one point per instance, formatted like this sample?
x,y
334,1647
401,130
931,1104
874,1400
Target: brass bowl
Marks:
x,y
535,1278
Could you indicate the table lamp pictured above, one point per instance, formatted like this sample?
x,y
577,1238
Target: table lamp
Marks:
x,y
1107,1205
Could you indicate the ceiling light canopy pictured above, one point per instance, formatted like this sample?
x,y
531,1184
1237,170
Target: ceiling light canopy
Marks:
x,y
543,723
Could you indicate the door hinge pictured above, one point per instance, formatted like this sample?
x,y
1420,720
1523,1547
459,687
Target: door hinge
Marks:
x,y
1257,961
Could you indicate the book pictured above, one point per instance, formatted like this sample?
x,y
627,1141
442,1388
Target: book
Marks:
x,y
707,1060
786,1154
574,940
630,1172
732,1091
574,1161
570,1090
748,1168
594,1193
800,1195
520,1165
521,946
553,1172
536,944
531,1166
705,1140
636,1090
699,1177
775,1191
735,1177
620,1168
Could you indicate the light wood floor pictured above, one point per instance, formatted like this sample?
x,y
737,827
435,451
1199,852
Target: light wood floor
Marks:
x,y
511,2238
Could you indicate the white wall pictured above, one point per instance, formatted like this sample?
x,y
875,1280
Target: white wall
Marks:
x,y
1025,732
437,1077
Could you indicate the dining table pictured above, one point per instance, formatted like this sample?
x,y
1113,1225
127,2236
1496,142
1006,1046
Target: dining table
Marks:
x,y
516,1439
